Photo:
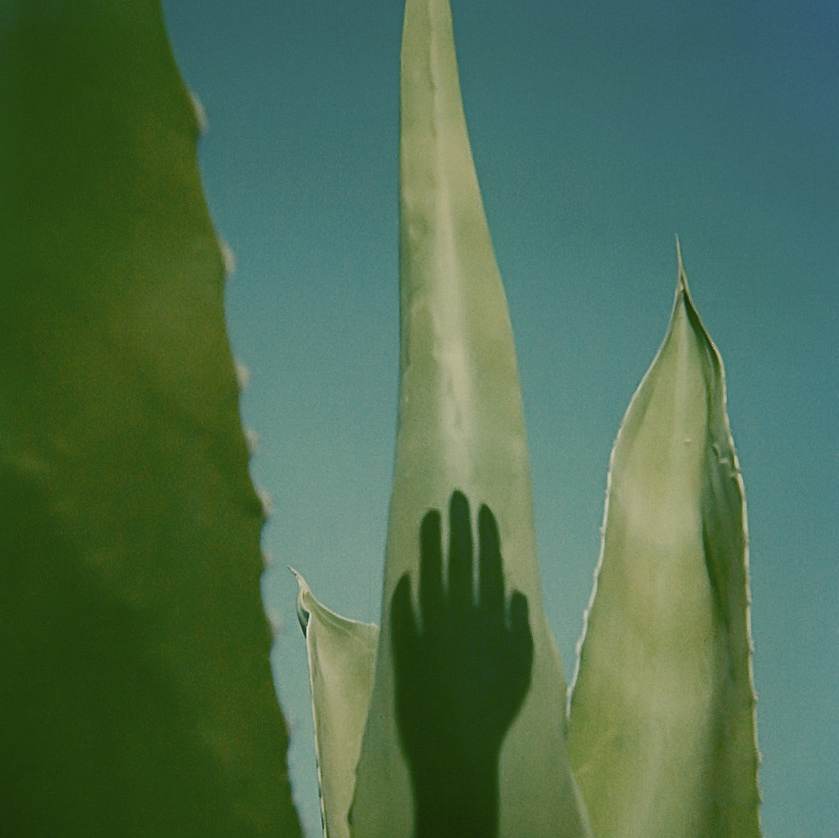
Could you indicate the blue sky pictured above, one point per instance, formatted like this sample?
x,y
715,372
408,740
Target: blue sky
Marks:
x,y
600,131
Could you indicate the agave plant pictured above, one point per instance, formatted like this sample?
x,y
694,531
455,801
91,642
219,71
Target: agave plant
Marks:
x,y
135,687
451,719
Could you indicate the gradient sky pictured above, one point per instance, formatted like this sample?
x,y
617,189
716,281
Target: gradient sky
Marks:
x,y
600,130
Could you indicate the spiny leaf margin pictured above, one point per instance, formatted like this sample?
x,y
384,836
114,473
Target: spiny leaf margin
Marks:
x,y
662,728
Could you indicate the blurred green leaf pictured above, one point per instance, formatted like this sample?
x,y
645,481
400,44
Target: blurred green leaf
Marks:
x,y
662,717
135,686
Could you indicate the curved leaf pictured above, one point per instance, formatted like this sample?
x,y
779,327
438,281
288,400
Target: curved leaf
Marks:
x,y
342,657
662,716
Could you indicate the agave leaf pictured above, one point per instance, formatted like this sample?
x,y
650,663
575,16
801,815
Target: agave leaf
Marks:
x,y
662,731
342,657
135,683
460,426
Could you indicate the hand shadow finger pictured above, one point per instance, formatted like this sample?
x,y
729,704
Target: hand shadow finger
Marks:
x,y
460,552
490,568
520,627
403,627
431,569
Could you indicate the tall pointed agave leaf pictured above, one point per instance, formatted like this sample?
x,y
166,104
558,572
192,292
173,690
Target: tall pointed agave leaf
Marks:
x,y
460,427
136,693
662,731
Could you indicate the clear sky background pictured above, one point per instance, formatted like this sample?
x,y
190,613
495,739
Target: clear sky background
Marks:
x,y
600,130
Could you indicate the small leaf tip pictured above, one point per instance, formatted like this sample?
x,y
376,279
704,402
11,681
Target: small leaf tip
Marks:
x,y
682,281
302,610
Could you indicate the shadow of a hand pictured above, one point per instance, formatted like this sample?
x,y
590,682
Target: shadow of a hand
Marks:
x,y
461,674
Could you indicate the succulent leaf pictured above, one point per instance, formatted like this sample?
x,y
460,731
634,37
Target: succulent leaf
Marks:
x,y
135,683
662,734
460,427
342,658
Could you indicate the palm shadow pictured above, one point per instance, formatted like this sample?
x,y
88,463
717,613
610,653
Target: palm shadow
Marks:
x,y
462,672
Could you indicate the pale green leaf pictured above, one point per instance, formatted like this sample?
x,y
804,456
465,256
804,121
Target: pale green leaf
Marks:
x,y
136,690
460,427
342,657
662,716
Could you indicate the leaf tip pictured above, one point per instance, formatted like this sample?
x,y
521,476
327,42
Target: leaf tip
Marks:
x,y
302,590
682,280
